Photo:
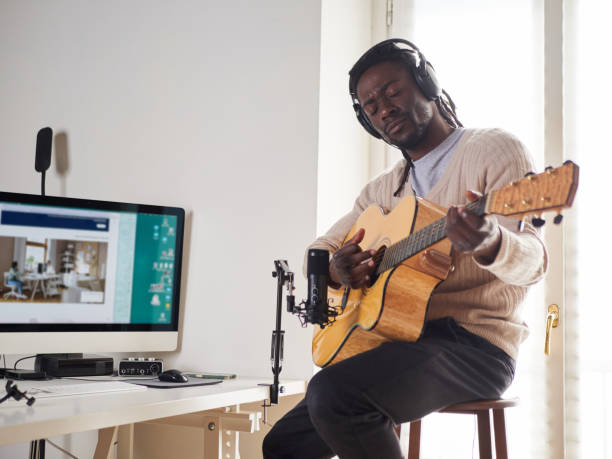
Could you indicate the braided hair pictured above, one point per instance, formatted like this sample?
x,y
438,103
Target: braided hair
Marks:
x,y
390,52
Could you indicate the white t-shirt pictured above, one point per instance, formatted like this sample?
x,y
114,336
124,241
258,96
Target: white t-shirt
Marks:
x,y
426,171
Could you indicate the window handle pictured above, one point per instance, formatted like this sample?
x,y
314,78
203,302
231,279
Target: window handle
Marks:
x,y
552,320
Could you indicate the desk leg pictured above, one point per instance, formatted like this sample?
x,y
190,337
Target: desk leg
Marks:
x,y
213,438
221,428
122,435
106,441
34,289
125,442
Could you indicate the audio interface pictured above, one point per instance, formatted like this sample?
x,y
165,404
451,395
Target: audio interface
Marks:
x,y
140,366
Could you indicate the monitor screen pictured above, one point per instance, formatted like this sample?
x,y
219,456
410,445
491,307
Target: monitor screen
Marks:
x,y
73,265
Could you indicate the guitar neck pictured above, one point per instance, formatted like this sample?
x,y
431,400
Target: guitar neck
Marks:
x,y
552,190
420,240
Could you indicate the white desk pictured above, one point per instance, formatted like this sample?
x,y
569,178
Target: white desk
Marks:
x,y
201,405
40,281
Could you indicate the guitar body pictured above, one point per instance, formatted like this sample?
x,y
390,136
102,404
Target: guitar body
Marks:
x,y
394,307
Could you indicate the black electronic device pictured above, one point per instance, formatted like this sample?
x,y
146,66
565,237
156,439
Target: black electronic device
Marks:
x,y
174,376
10,373
140,366
315,309
317,270
44,141
63,365
422,71
91,313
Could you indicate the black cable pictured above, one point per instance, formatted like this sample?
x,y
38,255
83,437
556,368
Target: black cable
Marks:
x,y
23,358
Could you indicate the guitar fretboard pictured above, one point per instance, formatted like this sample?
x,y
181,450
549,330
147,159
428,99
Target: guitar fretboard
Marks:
x,y
420,240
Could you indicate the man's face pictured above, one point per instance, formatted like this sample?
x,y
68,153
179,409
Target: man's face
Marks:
x,y
394,105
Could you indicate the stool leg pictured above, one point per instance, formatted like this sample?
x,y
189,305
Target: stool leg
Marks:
x,y
499,425
414,441
484,434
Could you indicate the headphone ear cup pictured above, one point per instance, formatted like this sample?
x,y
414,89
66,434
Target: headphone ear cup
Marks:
x,y
426,79
365,122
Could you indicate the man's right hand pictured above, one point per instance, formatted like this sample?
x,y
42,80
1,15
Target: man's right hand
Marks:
x,y
351,266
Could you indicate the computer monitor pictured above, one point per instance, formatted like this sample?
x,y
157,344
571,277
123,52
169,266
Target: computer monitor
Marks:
x,y
88,276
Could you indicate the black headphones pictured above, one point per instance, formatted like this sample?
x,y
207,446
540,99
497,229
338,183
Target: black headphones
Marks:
x,y
422,71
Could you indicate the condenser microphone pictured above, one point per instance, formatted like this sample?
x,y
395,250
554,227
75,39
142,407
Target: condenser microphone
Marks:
x,y
317,270
43,149
42,161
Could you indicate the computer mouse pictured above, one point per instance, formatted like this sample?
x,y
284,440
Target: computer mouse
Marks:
x,y
172,376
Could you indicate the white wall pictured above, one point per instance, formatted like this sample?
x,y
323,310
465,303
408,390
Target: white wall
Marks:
x,y
207,105
344,146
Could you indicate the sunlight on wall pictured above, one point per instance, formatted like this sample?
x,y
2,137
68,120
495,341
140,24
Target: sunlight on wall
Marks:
x,y
587,122
343,144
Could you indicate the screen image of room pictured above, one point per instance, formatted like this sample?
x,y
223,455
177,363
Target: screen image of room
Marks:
x,y
53,270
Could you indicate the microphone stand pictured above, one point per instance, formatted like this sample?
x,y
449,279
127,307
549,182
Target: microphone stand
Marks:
x,y
283,276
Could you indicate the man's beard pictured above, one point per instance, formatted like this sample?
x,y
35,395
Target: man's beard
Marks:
x,y
419,122
413,139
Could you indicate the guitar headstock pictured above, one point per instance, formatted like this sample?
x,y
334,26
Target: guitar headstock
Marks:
x,y
552,190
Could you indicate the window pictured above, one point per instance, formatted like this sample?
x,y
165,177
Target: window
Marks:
x,y
495,76
36,252
587,74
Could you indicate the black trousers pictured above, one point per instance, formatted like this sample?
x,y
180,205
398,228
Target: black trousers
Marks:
x,y
350,408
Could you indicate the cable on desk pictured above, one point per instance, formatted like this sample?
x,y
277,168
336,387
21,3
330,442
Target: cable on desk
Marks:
x,y
23,358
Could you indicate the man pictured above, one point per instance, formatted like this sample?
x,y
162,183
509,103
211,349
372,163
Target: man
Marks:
x,y
14,278
49,269
473,325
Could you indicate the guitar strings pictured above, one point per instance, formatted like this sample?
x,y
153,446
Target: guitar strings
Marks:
x,y
416,242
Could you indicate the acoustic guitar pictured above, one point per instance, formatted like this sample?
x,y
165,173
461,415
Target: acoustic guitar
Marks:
x,y
413,257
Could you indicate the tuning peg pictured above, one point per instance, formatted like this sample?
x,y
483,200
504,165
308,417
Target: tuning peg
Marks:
x,y
548,168
529,173
537,222
558,219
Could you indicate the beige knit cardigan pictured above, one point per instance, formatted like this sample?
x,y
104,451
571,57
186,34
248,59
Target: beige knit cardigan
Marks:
x,y
485,300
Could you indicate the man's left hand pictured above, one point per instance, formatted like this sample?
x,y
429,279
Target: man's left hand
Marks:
x,y
470,233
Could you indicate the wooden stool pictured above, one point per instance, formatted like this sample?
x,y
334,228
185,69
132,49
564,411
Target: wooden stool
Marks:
x,y
481,408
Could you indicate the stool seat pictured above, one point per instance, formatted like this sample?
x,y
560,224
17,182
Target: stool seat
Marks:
x,y
482,409
477,405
